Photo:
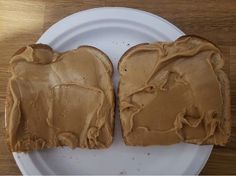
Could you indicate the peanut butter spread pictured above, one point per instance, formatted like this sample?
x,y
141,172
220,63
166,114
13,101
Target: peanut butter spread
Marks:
x,y
59,99
174,91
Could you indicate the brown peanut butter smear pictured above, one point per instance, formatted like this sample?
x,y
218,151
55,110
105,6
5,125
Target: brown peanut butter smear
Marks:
x,y
59,99
174,91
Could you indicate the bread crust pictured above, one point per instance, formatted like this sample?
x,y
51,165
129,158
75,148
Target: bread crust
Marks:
x,y
108,62
129,51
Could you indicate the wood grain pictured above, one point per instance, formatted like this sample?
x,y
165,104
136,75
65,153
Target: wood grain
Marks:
x,y
22,23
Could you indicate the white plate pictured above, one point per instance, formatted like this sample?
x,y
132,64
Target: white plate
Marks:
x,y
113,30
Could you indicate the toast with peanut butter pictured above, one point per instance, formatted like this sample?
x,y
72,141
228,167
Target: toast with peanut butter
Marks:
x,y
59,99
171,92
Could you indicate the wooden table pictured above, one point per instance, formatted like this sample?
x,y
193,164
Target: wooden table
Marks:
x,y
22,22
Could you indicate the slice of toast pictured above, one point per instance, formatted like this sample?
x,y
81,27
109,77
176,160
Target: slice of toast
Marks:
x,y
171,92
59,99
